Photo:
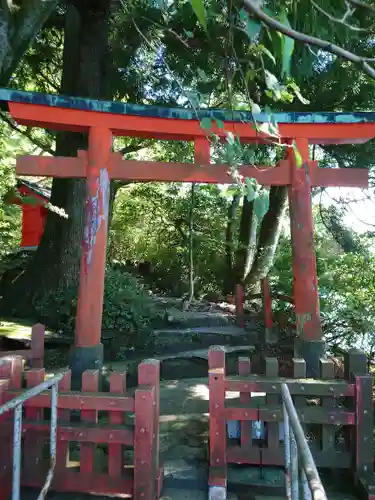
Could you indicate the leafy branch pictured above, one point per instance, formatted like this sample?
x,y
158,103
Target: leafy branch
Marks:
x,y
253,8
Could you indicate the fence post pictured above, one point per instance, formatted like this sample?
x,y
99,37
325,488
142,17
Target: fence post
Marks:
x,y
117,385
37,346
218,440
33,443
144,440
90,383
62,447
149,374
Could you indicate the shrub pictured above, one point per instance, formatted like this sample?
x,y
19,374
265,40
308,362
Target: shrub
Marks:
x,y
128,309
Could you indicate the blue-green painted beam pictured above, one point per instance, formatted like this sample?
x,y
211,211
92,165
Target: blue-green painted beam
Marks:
x,y
122,108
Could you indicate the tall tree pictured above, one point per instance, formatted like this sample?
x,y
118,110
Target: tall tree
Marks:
x,y
19,25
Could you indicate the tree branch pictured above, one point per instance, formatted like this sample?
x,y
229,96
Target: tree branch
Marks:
x,y
253,8
362,5
26,133
342,20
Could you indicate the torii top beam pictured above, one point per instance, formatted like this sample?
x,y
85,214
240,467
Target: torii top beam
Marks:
x,y
71,113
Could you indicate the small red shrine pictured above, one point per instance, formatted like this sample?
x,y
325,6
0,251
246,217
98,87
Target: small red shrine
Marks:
x,y
33,214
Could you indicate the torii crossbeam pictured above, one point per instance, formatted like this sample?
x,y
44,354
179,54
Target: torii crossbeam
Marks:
x,y
102,120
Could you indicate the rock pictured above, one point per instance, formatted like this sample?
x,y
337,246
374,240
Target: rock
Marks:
x,y
193,319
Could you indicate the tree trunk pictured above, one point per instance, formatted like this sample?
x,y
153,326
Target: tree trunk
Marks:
x,y
56,262
229,284
246,242
269,235
191,243
18,29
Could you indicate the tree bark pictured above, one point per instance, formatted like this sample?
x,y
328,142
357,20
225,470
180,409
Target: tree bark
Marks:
x,y
56,262
18,29
269,235
246,242
229,284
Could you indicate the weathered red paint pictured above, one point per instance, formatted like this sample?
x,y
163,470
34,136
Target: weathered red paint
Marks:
x,y
90,383
33,217
92,268
353,414
179,129
217,422
305,286
117,385
143,482
200,171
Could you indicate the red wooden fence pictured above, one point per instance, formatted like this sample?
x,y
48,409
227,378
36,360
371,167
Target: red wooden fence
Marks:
x,y
112,450
34,355
322,405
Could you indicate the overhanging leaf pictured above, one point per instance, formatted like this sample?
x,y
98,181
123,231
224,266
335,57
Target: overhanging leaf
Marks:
x,y
297,155
287,47
219,123
261,204
250,190
206,123
200,12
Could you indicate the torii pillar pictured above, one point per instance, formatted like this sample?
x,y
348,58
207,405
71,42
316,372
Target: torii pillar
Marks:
x,y
87,353
309,343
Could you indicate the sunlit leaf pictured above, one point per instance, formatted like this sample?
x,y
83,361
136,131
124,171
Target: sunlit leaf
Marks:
x,y
255,108
250,190
200,12
297,155
287,47
206,123
219,123
268,53
261,204
297,92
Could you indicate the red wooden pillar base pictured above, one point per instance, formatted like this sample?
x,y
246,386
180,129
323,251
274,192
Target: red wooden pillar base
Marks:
x,y
309,344
87,353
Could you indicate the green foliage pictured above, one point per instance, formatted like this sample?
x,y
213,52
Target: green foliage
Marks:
x,y
128,309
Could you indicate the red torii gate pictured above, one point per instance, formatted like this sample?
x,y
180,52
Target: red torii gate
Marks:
x,y
99,165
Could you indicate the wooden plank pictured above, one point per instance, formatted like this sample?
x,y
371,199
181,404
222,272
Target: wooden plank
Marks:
x,y
79,482
148,171
334,460
33,444
271,427
244,369
144,429
345,177
149,374
307,387
179,129
327,372
62,448
239,455
118,435
245,414
51,166
90,383
117,385
365,425
78,401
217,422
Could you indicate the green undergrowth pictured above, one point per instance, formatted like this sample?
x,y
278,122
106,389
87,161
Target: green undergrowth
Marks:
x,y
128,309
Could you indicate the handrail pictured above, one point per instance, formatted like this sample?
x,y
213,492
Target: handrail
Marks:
x,y
16,405
297,448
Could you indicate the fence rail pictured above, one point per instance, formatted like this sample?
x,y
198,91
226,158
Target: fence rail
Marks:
x,y
16,404
297,449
